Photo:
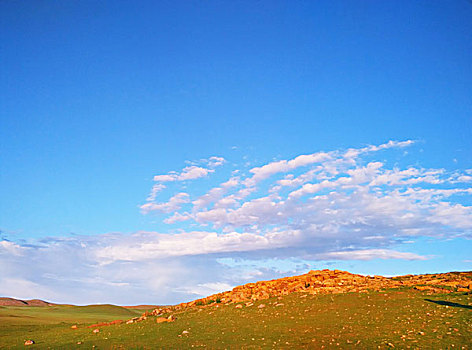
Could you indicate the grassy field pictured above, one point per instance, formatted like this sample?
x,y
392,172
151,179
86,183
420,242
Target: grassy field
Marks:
x,y
404,318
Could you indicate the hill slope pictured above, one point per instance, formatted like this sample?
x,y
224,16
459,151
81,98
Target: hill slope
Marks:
x,y
334,282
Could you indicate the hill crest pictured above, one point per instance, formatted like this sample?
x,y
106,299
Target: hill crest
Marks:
x,y
332,282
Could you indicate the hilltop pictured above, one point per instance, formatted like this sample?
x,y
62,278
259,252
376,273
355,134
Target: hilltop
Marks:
x,y
334,282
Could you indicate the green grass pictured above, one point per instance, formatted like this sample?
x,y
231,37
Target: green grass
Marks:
x,y
40,315
404,318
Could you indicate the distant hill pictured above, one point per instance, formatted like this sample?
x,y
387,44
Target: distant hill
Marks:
x,y
107,309
141,307
17,302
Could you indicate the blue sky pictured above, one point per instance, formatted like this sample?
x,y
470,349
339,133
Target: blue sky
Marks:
x,y
99,98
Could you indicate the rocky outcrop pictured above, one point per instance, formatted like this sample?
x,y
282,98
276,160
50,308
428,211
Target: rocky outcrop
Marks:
x,y
329,282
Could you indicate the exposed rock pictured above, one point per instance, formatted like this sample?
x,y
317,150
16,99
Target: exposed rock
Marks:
x,y
103,324
136,319
171,318
328,282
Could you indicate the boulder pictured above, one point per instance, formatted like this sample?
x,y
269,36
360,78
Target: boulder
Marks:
x,y
171,318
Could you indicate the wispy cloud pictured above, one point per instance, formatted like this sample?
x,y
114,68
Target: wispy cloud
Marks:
x,y
192,172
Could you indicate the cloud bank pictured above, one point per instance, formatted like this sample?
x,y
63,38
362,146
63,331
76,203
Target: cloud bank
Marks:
x,y
324,206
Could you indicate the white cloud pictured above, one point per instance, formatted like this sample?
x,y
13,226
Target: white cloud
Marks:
x,y
208,288
154,191
354,153
10,247
188,173
215,161
337,195
215,194
192,172
453,215
174,203
464,178
265,171
369,254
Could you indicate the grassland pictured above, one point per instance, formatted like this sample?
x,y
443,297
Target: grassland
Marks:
x,y
395,318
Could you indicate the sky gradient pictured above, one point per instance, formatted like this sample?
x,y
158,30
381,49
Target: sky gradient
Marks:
x,y
160,151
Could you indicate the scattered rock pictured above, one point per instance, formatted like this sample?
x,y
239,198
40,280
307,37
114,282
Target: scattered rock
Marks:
x,y
102,324
171,318
29,342
79,343
185,332
96,330
249,304
261,306
74,326
239,306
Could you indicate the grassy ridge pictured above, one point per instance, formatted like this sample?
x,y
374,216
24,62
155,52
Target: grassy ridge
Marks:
x,y
401,318
32,315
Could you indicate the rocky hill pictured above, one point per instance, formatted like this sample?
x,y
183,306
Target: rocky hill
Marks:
x,y
332,281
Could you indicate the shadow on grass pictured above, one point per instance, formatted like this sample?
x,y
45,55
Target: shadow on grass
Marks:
x,y
448,303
